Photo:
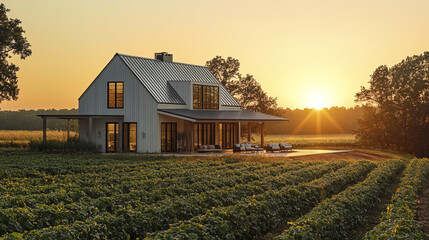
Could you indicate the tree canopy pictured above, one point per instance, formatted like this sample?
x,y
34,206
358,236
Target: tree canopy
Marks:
x,y
12,42
397,107
245,89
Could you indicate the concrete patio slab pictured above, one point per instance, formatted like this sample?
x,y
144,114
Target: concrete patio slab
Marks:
x,y
294,153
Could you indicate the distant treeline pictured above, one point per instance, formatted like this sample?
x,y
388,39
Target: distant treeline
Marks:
x,y
335,120
28,119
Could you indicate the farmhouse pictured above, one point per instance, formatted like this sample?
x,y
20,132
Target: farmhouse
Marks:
x,y
156,105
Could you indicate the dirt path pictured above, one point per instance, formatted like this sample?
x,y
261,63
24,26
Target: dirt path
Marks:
x,y
353,155
423,209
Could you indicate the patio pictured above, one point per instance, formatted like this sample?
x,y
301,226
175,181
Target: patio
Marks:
x,y
294,153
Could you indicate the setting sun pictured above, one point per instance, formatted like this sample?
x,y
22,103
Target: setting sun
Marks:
x,y
317,100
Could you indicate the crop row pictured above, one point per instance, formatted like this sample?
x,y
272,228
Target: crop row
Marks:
x,y
398,222
37,215
262,213
139,219
149,191
105,184
337,217
109,176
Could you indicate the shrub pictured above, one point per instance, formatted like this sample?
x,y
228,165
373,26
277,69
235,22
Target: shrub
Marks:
x,y
73,145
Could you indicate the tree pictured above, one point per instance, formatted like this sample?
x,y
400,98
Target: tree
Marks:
x,y
252,97
13,42
397,106
225,70
246,90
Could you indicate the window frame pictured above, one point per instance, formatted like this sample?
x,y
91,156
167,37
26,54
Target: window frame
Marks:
x,y
116,93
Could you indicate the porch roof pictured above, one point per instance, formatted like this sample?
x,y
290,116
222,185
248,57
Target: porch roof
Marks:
x,y
221,115
77,116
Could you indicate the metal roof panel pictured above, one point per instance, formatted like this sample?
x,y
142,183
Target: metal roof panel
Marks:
x,y
155,74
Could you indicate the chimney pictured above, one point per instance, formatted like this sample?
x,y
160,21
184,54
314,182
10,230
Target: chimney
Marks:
x,y
164,56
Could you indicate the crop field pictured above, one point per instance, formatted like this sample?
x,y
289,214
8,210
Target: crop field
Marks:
x,y
47,196
21,138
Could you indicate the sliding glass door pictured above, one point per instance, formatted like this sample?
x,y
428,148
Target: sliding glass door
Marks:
x,y
204,134
112,137
130,137
228,135
168,137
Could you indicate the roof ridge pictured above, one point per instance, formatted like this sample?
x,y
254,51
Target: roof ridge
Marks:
x,y
156,60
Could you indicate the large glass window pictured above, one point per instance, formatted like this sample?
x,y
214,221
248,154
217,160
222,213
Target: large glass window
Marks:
x,y
205,97
115,98
168,137
228,135
204,134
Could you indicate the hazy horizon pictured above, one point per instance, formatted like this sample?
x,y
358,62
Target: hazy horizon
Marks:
x,y
307,53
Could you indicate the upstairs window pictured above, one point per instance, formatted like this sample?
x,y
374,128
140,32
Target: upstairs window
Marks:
x,y
115,98
205,97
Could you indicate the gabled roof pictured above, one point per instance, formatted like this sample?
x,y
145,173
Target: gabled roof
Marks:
x,y
155,75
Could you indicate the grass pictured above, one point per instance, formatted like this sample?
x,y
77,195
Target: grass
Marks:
x,y
22,138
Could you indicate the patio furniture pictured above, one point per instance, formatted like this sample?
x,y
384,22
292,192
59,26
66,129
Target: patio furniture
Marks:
x,y
271,147
247,147
208,148
239,148
285,147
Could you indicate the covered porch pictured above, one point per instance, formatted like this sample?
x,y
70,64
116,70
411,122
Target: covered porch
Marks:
x,y
221,128
90,129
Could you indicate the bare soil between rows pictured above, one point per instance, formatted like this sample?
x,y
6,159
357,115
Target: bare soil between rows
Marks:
x,y
423,209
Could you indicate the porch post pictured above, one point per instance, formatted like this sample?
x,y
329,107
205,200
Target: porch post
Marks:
x,y
121,135
68,129
44,129
249,132
192,138
90,129
262,134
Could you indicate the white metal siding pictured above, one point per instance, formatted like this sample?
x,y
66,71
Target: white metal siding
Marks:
x,y
184,89
139,106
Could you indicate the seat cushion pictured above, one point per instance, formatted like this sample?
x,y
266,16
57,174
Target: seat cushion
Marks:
x,y
211,147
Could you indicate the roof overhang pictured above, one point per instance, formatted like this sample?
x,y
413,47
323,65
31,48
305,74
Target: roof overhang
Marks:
x,y
221,115
77,116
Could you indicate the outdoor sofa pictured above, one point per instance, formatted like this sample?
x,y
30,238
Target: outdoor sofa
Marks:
x,y
247,147
209,148
281,147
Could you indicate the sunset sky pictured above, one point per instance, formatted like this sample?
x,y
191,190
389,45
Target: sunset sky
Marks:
x,y
305,53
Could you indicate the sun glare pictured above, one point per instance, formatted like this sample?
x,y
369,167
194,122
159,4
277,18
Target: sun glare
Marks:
x,y
317,101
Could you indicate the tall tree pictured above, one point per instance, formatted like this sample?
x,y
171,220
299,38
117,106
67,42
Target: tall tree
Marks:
x,y
12,42
225,70
246,90
397,113
252,97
